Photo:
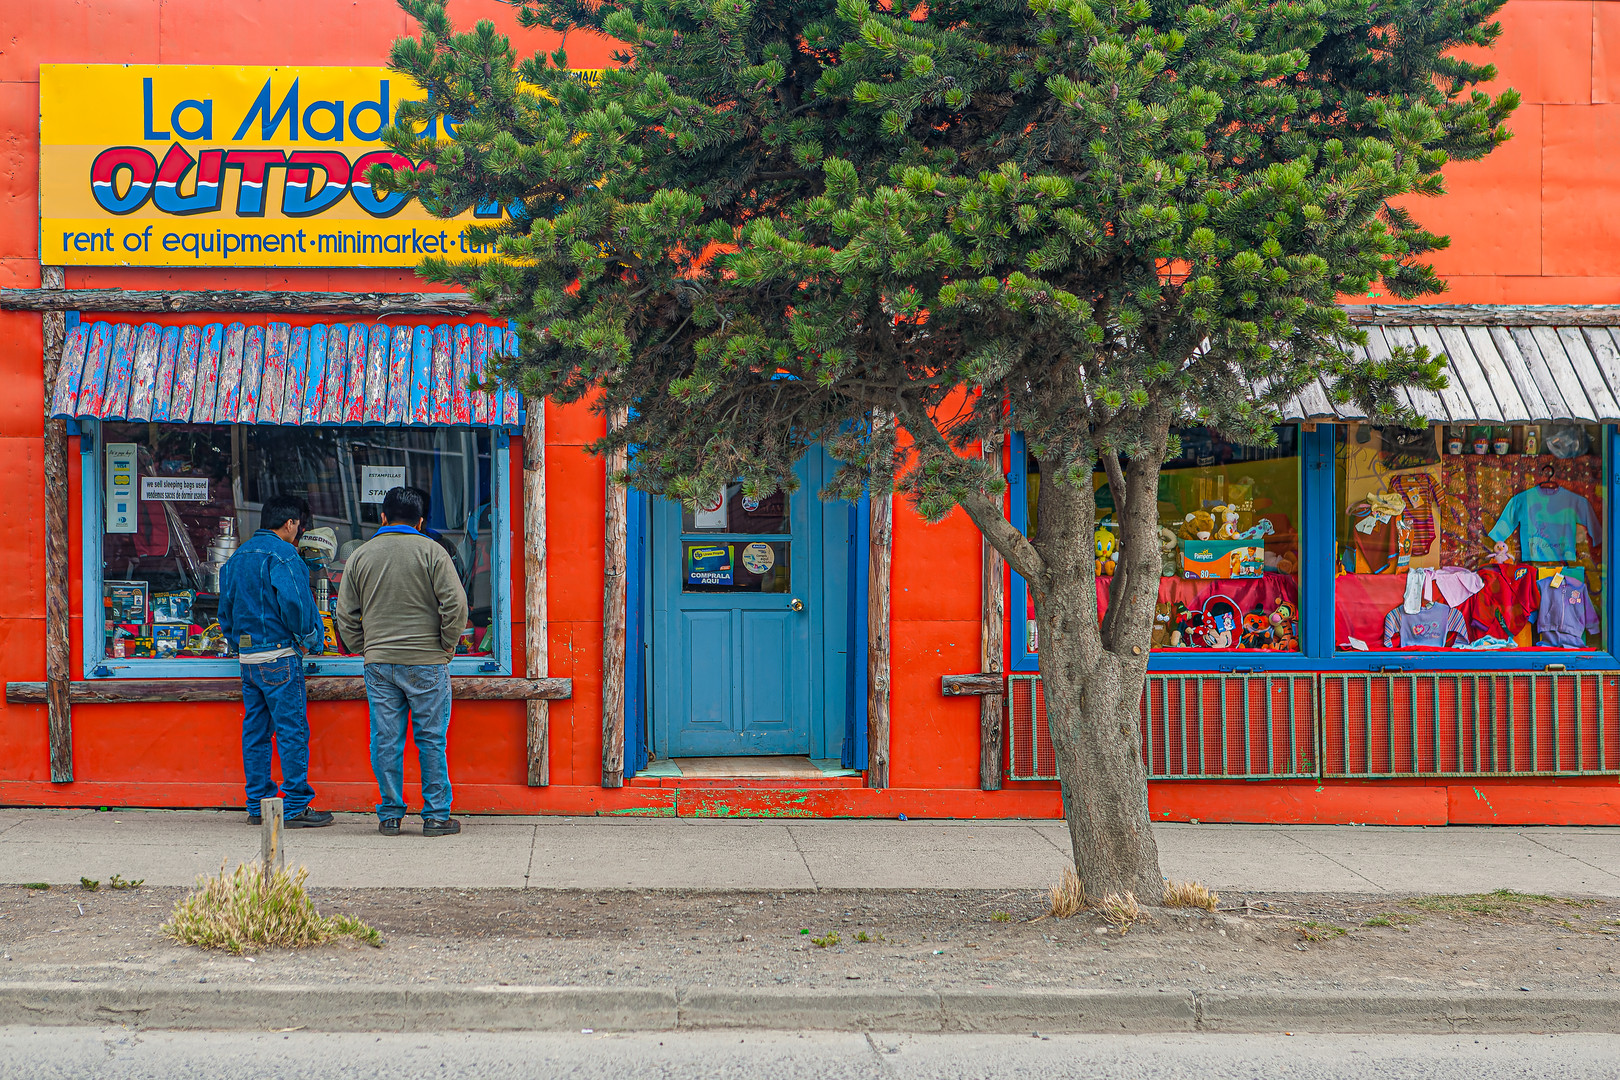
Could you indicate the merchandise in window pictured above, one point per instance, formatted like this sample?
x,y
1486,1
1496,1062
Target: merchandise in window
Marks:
x,y
1470,537
180,499
1228,542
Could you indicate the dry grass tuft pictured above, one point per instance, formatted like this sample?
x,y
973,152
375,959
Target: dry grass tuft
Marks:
x,y
1068,895
1190,894
238,912
1122,911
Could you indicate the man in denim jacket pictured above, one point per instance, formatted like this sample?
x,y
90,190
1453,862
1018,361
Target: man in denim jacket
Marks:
x,y
266,609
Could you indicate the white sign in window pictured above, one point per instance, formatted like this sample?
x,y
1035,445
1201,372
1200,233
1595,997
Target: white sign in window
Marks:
x,y
377,480
175,488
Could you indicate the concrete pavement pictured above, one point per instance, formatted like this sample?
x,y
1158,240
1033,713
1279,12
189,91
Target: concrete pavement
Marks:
x,y
116,1054
122,1054
173,847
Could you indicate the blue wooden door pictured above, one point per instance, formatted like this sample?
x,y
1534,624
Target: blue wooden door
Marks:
x,y
738,590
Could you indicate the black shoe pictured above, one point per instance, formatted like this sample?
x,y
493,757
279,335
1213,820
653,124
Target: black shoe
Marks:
x,y
440,827
389,826
309,818
255,819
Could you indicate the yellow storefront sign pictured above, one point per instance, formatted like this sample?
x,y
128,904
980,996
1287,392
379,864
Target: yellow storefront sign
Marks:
x,y
180,165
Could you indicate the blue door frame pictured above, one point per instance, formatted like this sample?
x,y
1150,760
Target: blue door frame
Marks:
x,y
829,573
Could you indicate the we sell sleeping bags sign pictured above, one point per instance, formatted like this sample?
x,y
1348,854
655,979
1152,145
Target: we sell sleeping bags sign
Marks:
x,y
181,165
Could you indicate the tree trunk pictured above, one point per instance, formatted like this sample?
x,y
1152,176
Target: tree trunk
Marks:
x,y
1094,714
1092,675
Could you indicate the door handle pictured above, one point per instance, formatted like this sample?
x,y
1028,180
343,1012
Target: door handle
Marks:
x,y
796,604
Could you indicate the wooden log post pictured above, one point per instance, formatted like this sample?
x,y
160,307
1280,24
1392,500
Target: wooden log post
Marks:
x,y
271,854
58,709
992,633
536,637
616,542
880,559
326,688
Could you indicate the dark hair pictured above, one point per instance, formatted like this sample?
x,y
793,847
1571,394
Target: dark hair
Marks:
x,y
280,509
404,505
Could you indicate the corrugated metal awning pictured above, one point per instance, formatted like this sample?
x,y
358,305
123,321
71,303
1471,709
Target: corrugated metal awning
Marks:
x,y
1498,373
274,373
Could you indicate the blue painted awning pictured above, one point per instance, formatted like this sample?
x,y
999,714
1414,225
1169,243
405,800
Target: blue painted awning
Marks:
x,y
275,373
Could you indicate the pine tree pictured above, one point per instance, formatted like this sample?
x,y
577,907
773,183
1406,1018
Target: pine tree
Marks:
x,y
1088,222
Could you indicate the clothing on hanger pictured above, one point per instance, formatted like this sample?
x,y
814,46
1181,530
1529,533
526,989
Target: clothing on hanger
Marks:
x,y
1428,629
1567,613
1545,518
1506,601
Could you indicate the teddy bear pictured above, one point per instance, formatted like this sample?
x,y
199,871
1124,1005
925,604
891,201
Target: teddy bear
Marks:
x,y
1283,638
1169,546
1107,552
1226,518
1198,525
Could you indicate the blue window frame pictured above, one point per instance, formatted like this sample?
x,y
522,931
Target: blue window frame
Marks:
x,y
1319,507
491,515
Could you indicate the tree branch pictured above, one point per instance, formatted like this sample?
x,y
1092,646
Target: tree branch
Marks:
x,y
1013,545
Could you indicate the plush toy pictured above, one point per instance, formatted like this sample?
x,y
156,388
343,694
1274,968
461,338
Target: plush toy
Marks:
x,y
1198,525
1162,616
1169,545
1283,638
1220,629
1256,630
1186,627
1259,529
1500,553
1226,517
1107,552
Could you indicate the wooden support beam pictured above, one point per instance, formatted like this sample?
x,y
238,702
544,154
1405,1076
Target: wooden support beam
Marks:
x,y
1484,314
880,559
59,710
615,616
984,684
239,301
330,688
992,636
536,638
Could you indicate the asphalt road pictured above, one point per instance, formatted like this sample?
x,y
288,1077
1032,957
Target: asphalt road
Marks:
x,y
116,1054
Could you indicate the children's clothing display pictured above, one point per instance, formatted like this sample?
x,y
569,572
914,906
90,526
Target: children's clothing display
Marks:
x,y
1545,517
1567,613
1506,601
1428,629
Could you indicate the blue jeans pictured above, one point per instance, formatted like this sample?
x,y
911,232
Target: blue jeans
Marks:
x,y
422,691
273,696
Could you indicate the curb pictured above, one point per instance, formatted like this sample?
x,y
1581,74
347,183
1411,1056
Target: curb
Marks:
x,y
564,1008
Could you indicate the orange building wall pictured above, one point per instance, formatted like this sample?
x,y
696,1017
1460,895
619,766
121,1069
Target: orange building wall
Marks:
x,y
1536,223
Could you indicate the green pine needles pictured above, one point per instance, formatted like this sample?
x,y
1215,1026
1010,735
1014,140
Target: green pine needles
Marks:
x,y
1085,221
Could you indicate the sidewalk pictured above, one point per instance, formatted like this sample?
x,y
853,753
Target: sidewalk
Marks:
x,y
170,848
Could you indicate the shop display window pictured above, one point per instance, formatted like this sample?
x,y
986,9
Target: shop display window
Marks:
x,y
1470,537
1229,545
177,500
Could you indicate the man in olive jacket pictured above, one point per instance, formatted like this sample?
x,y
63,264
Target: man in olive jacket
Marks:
x,y
403,606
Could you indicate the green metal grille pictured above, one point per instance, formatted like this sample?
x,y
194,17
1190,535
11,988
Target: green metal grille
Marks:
x,y
1193,727
1229,726
1471,724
